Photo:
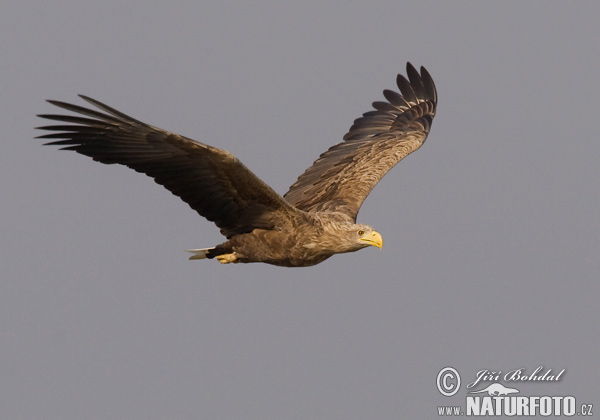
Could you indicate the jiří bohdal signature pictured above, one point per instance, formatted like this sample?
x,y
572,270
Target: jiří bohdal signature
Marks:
x,y
517,375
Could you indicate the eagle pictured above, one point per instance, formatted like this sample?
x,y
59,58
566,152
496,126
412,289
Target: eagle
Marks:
x,y
314,220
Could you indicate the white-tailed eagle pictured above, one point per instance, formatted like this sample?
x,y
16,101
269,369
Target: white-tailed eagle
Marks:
x,y
314,220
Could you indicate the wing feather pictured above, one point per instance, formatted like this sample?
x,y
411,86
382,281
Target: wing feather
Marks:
x,y
212,181
342,177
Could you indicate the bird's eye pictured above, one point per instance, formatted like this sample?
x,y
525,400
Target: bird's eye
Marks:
x,y
361,232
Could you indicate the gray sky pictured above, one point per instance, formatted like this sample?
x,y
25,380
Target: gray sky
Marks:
x,y
491,230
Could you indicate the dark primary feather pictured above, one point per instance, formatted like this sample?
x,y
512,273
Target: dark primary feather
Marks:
x,y
342,177
212,181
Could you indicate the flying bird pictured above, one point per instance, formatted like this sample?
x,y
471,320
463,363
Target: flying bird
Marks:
x,y
314,220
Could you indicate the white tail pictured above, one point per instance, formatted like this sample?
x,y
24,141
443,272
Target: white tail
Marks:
x,y
199,254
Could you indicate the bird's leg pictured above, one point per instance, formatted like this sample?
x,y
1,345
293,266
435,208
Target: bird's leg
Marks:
x,y
227,258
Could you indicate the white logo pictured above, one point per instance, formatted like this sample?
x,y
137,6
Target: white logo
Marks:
x,y
496,390
495,399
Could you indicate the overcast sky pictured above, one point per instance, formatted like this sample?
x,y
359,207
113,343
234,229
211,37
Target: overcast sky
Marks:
x,y
491,229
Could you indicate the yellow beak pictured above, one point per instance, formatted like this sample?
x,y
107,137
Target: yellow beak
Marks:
x,y
374,239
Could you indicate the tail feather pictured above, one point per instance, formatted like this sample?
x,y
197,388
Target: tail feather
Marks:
x,y
199,254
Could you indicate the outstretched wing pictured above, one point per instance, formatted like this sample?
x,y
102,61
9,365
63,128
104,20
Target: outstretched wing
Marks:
x,y
212,181
342,177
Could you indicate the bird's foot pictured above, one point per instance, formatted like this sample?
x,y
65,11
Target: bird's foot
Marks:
x,y
227,258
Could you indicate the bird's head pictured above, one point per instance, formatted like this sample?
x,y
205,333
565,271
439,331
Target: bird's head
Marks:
x,y
366,236
361,236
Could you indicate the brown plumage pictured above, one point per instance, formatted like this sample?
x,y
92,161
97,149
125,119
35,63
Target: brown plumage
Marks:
x,y
315,219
